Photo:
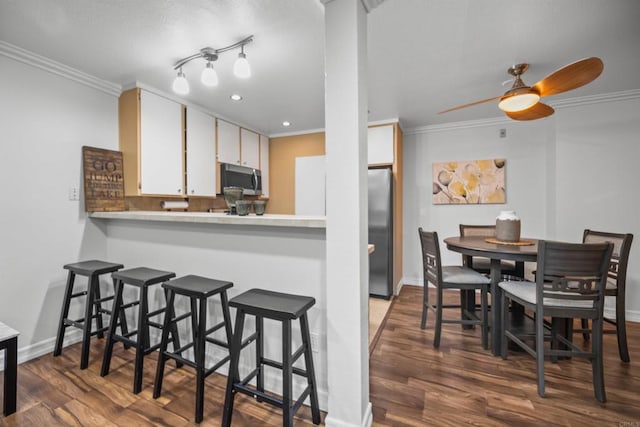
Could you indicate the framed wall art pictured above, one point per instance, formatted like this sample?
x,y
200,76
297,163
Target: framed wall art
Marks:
x,y
469,182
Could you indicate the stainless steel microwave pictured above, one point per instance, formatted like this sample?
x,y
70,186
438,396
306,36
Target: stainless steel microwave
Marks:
x,y
249,179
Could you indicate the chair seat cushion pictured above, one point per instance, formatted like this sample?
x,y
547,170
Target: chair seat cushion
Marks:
x,y
526,291
463,275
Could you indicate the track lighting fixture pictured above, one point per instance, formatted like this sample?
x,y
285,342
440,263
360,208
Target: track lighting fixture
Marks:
x,y
209,76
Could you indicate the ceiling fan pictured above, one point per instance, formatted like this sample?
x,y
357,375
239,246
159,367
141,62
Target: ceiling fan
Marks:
x,y
522,102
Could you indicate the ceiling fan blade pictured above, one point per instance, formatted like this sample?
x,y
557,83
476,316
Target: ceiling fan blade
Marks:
x,y
470,104
570,77
537,111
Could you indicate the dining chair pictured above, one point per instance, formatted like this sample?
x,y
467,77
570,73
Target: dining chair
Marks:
x,y
450,277
482,264
616,285
570,284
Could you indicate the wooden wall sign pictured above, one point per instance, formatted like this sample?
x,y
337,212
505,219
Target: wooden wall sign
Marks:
x,y
103,180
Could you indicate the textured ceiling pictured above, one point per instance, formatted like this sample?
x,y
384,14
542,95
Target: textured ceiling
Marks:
x,y
424,55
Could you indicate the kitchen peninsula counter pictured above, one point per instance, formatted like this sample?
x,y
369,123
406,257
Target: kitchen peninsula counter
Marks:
x,y
269,220
282,253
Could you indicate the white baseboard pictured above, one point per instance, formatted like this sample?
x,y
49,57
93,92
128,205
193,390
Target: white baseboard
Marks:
x,y
43,347
367,419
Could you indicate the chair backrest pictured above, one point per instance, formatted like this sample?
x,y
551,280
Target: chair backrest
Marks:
x,y
478,230
432,268
573,272
619,257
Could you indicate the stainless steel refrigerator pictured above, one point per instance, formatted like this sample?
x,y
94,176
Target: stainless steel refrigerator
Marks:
x,y
381,233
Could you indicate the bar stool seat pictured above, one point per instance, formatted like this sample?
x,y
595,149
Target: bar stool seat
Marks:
x,y
198,289
93,309
142,278
282,307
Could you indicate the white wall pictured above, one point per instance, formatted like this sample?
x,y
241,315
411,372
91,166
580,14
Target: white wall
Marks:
x,y
45,119
577,169
597,178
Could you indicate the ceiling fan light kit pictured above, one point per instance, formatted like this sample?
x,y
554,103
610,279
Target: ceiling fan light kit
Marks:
x,y
209,76
518,102
522,102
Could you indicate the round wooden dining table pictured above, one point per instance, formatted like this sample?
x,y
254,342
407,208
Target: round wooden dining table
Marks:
x,y
469,246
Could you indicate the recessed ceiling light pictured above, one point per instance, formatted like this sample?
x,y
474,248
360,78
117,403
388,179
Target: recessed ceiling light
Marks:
x,y
236,97
286,124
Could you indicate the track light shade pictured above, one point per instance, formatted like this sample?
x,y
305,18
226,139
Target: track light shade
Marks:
x,y
241,67
180,84
209,76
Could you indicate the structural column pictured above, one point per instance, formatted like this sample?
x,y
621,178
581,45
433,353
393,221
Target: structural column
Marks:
x,y
347,230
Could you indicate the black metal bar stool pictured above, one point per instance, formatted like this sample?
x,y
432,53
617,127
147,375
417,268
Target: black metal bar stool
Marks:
x,y
93,309
284,308
198,290
142,278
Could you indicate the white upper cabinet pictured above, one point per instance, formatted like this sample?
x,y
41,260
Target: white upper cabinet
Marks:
x,y
228,143
201,153
250,149
264,164
160,145
380,145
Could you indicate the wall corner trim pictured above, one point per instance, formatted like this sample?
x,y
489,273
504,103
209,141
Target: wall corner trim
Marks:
x,y
54,67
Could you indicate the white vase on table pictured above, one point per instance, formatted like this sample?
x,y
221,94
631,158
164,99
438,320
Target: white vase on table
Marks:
x,y
508,227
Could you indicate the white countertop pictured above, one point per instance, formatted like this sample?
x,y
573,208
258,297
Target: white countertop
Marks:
x,y
6,332
269,220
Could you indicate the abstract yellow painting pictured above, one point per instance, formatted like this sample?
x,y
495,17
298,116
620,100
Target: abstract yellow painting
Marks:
x,y
469,182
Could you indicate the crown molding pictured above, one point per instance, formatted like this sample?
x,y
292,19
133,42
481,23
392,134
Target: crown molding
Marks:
x,y
296,133
458,125
322,130
26,57
559,104
595,99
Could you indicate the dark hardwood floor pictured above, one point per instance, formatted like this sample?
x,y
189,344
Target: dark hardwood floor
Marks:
x,y
412,384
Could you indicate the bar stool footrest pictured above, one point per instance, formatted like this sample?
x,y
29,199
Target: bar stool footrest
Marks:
x,y
215,367
217,342
300,401
154,324
250,391
129,305
181,317
151,349
251,338
214,328
79,294
179,358
156,312
125,340
103,299
250,376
